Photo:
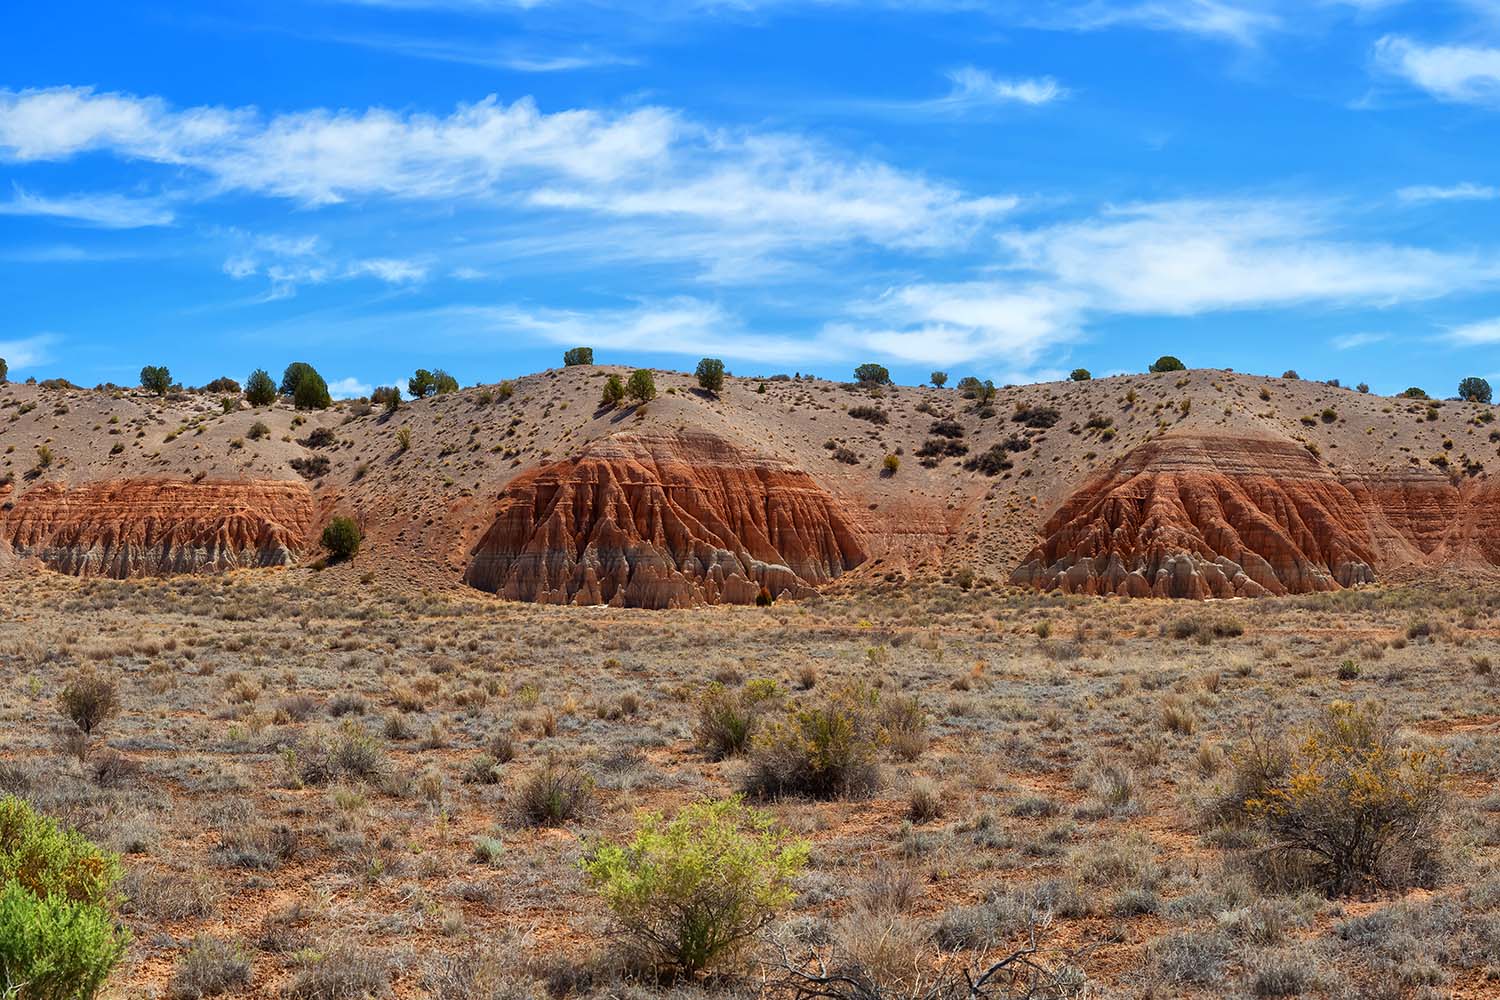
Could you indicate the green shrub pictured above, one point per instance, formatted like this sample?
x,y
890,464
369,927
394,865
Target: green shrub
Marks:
x,y
710,374
1167,363
259,389
1475,390
891,464
387,397
641,387
89,699
614,391
156,379
341,538
690,891
727,719
827,750
554,793
311,392
872,374
258,430
1343,808
1081,375
578,356
938,379
58,938
4,372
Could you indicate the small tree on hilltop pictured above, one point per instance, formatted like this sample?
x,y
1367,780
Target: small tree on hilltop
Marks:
x,y
293,375
1474,390
614,392
938,379
4,372
578,356
259,389
443,382
711,374
387,396
1081,375
421,385
1167,363
872,374
156,379
311,392
341,538
641,387
1291,375
1415,393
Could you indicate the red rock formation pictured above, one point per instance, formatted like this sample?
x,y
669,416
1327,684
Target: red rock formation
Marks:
x,y
1206,517
661,519
132,527
1186,516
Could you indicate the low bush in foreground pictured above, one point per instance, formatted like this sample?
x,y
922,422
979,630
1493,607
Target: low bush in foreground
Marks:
x,y
690,891
58,937
1345,808
823,751
727,719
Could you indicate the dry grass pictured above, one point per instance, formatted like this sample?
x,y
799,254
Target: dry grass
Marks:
x,y
353,788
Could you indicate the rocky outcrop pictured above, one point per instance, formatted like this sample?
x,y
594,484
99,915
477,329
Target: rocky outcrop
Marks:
x,y
663,519
133,527
1204,517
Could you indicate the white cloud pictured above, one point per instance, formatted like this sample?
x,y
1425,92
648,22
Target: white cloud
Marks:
x,y
290,261
951,323
1453,192
1457,73
1350,341
1240,23
107,211
28,352
1482,332
348,388
1189,257
674,326
974,87
785,191
388,269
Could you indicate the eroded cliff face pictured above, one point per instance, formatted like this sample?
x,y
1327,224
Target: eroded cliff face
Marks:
x,y
662,519
134,527
1205,516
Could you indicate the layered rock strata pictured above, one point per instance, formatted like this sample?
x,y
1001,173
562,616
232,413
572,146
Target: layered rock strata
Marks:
x,y
135,527
1199,517
663,519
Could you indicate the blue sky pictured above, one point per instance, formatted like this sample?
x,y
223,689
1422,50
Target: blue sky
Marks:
x,y
1004,189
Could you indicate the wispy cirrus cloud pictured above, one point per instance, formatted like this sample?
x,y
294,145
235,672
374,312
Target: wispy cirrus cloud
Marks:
x,y
1452,192
287,262
28,352
1353,341
645,163
978,88
105,211
1465,74
1480,332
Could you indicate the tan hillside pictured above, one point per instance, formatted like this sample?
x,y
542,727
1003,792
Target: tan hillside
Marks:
x,y
1201,483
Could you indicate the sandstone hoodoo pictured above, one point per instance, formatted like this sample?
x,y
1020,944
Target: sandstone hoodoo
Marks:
x,y
1206,516
132,527
660,519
